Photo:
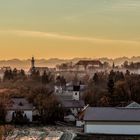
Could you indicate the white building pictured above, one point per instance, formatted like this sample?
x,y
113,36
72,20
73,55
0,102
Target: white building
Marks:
x,y
119,121
70,92
19,106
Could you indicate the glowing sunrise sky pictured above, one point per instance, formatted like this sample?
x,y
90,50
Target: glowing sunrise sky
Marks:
x,y
69,28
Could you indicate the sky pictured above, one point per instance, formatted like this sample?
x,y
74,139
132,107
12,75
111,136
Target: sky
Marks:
x,y
69,28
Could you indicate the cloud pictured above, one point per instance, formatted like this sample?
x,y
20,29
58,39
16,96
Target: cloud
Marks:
x,y
125,5
48,35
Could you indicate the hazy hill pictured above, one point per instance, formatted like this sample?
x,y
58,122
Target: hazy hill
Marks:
x,y
25,64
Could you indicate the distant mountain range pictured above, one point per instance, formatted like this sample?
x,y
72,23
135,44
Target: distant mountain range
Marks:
x,y
26,64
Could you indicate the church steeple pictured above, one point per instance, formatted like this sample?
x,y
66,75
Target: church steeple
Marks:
x,y
33,63
113,66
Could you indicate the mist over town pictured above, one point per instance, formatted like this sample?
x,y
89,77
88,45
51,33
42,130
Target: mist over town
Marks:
x,y
69,70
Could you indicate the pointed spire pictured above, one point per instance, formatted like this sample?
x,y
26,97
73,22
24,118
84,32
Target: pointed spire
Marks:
x,y
33,63
113,66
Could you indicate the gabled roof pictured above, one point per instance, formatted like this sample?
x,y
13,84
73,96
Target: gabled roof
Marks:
x,y
133,105
108,114
73,103
19,104
76,88
89,62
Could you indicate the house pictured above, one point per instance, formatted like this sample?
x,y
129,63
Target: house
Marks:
x,y
133,105
70,92
73,105
19,107
111,120
72,108
65,67
88,64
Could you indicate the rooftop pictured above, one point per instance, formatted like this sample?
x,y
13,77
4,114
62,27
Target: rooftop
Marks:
x,y
133,105
89,62
112,114
73,103
19,104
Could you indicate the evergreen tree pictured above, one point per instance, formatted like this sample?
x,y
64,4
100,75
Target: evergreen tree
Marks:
x,y
8,75
2,111
22,72
110,86
96,78
14,72
45,78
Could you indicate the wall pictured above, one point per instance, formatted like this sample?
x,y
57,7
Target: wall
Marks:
x,y
76,95
10,113
80,123
112,127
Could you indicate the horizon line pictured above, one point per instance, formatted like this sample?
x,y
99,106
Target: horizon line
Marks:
x,y
37,58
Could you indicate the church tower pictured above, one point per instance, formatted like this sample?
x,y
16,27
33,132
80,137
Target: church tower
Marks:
x,y
113,66
33,63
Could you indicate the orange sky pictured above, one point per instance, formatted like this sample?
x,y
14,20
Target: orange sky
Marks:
x,y
67,29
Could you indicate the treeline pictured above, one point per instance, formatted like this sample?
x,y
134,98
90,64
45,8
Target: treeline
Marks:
x,y
13,74
113,89
35,75
103,89
37,89
131,65
48,105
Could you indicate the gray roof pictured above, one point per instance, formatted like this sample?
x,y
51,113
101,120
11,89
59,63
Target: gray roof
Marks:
x,y
19,104
64,97
112,114
73,103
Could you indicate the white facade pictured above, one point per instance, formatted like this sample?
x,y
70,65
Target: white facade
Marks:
x,y
75,111
118,128
80,123
76,95
69,118
28,113
58,90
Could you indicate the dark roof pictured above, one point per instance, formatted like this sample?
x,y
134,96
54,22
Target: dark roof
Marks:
x,y
112,114
61,97
76,88
89,62
73,103
19,104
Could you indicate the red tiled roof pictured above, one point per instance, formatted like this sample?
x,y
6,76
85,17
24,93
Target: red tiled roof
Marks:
x,y
89,62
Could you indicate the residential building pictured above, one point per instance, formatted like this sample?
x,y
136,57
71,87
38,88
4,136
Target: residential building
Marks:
x,y
83,65
111,120
73,92
19,107
72,108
